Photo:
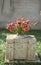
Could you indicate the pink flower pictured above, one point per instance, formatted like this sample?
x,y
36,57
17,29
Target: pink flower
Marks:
x,y
10,27
7,26
14,22
10,24
25,29
29,26
24,22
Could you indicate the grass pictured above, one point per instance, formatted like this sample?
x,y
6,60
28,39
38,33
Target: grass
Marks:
x,y
3,34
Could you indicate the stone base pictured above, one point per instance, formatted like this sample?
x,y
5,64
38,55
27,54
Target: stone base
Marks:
x,y
20,47
37,60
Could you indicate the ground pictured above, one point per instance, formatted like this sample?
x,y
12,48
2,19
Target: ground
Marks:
x,y
3,34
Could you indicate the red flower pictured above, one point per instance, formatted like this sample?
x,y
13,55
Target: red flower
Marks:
x,y
19,22
10,27
25,29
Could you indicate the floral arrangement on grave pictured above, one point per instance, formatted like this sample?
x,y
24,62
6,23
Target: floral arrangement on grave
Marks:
x,y
20,26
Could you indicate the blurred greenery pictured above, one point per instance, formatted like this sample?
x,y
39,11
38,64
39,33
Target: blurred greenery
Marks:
x,y
3,34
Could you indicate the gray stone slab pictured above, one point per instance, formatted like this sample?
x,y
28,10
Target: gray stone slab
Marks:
x,y
29,9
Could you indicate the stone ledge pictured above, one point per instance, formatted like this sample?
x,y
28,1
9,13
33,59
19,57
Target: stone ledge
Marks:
x,y
11,37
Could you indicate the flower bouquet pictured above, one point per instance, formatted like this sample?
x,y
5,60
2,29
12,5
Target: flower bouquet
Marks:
x,y
20,26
